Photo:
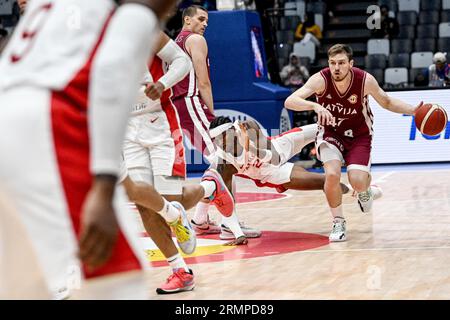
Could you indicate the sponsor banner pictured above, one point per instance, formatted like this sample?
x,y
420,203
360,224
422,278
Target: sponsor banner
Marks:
x,y
396,139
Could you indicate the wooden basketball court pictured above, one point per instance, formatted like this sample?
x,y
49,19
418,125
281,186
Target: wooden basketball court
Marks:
x,y
401,250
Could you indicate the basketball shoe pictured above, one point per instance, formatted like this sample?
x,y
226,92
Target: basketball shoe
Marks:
x,y
338,232
365,199
249,232
186,238
221,197
178,281
208,227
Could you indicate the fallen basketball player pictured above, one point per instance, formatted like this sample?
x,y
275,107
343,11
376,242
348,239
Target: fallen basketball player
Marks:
x,y
243,150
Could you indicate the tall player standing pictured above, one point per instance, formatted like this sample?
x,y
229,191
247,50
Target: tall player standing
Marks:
x,y
194,102
69,71
345,127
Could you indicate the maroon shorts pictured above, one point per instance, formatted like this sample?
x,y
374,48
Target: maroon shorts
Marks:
x,y
355,151
195,118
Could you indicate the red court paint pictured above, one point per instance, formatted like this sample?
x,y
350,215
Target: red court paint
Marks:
x,y
271,243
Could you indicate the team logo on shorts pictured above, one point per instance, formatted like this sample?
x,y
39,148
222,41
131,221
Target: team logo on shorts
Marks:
x,y
353,99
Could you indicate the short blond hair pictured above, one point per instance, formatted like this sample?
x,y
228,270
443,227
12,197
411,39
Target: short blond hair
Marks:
x,y
341,48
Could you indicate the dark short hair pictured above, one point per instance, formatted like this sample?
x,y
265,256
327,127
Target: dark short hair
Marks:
x,y
192,11
341,48
217,121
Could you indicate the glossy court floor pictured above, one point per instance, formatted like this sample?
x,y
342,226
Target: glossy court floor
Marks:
x,y
401,250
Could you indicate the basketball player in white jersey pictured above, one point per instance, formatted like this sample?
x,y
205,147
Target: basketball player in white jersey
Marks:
x,y
243,150
69,72
154,154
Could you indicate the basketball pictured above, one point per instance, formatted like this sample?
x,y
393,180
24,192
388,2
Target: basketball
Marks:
x,y
431,119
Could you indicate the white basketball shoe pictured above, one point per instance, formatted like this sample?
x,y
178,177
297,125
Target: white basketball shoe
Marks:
x,y
338,232
365,199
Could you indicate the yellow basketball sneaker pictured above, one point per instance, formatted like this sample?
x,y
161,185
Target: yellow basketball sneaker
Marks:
x,y
186,238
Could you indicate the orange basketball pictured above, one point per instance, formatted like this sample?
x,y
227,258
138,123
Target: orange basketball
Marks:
x,y
431,119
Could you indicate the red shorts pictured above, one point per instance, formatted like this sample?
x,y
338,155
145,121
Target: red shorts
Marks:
x,y
355,152
195,118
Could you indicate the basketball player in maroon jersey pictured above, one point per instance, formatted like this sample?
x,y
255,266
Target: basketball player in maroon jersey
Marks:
x,y
345,127
194,101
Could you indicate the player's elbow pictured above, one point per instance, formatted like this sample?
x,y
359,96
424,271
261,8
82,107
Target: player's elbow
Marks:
x,y
290,103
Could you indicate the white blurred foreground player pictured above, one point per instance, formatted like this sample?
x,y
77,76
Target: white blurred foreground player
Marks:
x,y
69,73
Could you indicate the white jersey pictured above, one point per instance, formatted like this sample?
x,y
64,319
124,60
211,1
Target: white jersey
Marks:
x,y
288,144
249,165
143,103
41,53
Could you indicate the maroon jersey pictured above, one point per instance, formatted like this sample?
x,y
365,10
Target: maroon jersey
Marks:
x,y
188,86
352,116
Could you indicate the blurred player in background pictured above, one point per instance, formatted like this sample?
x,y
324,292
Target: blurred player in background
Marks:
x,y
69,72
194,102
345,127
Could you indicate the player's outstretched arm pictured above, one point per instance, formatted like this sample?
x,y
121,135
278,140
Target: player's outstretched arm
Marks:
x,y
392,104
297,100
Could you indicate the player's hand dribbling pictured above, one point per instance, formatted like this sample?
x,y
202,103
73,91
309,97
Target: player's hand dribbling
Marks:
x,y
154,90
236,242
323,115
99,227
417,108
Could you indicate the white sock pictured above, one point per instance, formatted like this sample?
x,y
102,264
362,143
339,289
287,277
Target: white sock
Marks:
x,y
337,213
169,212
201,213
209,187
177,262
233,186
232,222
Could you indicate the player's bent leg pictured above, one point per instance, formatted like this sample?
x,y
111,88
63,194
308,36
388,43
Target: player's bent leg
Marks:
x,y
359,179
189,198
221,198
360,182
160,232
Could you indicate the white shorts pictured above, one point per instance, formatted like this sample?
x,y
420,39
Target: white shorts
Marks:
x,y
291,142
153,152
287,144
44,179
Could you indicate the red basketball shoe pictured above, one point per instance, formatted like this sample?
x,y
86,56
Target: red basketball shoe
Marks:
x,y
178,281
221,197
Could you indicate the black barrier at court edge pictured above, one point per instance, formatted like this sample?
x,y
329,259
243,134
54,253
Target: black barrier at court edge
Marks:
x,y
221,309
